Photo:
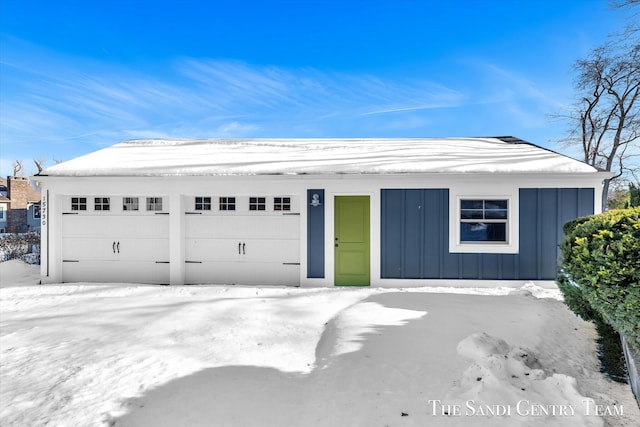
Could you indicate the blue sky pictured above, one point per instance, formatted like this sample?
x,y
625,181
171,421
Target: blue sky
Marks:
x,y
76,76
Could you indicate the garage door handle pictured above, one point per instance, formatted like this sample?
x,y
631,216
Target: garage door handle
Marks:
x,y
243,249
239,248
118,247
114,247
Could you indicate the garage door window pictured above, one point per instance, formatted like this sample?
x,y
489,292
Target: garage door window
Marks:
x,y
282,203
78,203
101,204
227,203
203,203
154,203
257,203
130,204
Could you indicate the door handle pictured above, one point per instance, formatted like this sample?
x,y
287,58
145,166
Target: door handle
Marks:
x,y
243,249
114,247
118,247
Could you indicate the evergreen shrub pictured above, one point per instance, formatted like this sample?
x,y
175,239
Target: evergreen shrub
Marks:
x,y
600,271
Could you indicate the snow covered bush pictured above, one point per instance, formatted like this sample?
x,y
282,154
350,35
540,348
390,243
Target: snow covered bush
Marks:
x,y
600,271
24,246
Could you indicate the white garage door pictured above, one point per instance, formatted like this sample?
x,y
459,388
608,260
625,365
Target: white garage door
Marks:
x,y
259,246
115,247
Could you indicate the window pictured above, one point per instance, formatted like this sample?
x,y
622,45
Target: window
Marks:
x,y
154,203
257,203
483,220
130,204
282,203
101,203
227,203
36,211
78,203
2,208
203,203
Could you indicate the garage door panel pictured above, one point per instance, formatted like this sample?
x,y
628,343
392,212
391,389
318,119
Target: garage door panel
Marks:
x,y
116,249
115,272
272,250
213,272
115,225
242,250
242,226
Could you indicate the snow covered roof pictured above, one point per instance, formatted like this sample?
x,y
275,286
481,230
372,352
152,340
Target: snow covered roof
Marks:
x,y
163,157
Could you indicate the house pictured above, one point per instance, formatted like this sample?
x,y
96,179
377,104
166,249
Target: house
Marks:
x,y
19,205
313,212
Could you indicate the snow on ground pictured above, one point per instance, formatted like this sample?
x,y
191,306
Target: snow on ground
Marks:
x,y
134,355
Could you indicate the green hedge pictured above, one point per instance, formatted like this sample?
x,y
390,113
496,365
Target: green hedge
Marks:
x,y
600,271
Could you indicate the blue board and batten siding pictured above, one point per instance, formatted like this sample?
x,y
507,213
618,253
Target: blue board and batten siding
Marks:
x,y
415,235
315,234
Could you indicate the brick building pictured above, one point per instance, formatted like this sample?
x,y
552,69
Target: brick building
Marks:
x,y
19,205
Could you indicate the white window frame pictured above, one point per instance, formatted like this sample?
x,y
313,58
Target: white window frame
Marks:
x,y
154,204
79,204
100,202
130,205
282,204
36,207
511,246
203,204
226,202
3,209
259,204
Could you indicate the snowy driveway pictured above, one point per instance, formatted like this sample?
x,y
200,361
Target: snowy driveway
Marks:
x,y
87,355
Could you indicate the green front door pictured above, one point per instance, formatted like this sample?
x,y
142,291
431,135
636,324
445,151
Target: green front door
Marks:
x,y
351,240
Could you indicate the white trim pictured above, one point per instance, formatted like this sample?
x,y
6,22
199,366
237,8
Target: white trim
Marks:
x,y
511,194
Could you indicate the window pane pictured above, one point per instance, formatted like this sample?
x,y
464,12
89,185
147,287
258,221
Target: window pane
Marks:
x,y
130,204
495,204
471,204
471,214
257,203
483,232
154,203
496,214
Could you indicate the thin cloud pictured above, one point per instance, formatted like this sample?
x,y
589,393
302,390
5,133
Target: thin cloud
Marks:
x,y
76,102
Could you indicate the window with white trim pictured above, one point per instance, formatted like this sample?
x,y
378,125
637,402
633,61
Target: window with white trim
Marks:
x,y
2,212
101,203
130,204
78,203
282,203
154,204
257,203
203,204
36,211
484,220
227,203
